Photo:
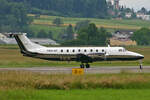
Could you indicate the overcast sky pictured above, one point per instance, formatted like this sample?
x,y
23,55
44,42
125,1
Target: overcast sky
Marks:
x,y
136,4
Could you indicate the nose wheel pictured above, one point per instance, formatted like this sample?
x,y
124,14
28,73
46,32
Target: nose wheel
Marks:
x,y
141,66
87,65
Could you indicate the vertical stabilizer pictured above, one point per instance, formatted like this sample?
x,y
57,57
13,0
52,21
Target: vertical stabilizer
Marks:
x,y
24,43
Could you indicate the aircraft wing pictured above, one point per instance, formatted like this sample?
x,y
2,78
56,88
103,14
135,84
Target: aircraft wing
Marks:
x,y
89,57
83,58
96,54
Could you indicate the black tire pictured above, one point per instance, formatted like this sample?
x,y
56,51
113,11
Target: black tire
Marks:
x,y
82,66
141,67
87,66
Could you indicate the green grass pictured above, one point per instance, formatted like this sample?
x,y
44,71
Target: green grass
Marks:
x,y
45,23
31,80
55,30
15,85
96,94
107,23
10,56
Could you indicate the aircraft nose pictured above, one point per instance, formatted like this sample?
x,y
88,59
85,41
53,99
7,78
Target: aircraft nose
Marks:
x,y
139,56
136,56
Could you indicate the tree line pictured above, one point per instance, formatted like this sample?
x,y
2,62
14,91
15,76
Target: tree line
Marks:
x,y
90,35
72,8
142,36
13,17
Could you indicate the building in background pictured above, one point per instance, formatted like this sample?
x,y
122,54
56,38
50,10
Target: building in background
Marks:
x,y
44,41
128,15
114,3
122,37
6,40
2,36
142,16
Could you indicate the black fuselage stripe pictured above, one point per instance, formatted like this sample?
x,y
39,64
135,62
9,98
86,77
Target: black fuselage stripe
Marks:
x,y
20,43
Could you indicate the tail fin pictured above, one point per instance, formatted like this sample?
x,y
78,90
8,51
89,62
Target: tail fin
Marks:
x,y
24,43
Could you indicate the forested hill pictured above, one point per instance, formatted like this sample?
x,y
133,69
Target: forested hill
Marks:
x,y
13,16
72,8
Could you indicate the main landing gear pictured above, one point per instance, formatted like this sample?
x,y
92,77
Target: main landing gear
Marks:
x,y
86,65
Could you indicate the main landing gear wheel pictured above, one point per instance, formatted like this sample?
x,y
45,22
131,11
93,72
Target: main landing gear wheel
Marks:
x,y
82,66
87,66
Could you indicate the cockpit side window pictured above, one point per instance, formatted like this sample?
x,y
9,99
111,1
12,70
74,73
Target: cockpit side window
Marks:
x,y
120,50
124,50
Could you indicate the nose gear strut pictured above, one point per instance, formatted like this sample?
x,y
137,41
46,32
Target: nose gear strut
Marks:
x,y
141,66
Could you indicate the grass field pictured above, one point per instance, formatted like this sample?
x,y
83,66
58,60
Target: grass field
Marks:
x,y
57,31
18,85
96,94
34,86
10,56
107,23
44,22
31,80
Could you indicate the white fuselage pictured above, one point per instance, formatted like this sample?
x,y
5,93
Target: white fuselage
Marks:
x,y
81,54
99,53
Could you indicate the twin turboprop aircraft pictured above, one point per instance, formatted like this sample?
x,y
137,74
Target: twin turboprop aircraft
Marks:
x,y
85,55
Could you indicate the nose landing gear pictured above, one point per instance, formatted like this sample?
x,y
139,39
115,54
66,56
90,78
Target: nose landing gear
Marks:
x,y
141,66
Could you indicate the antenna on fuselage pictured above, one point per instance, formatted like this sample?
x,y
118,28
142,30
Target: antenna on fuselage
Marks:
x,y
108,42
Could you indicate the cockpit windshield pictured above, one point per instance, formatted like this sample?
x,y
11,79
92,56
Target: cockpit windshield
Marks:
x,y
122,50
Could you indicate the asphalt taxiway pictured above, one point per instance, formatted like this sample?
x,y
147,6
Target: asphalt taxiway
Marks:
x,y
92,70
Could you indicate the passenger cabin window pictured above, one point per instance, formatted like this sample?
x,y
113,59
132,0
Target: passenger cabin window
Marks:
x,y
79,50
102,50
91,50
61,50
96,50
84,50
67,50
73,50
